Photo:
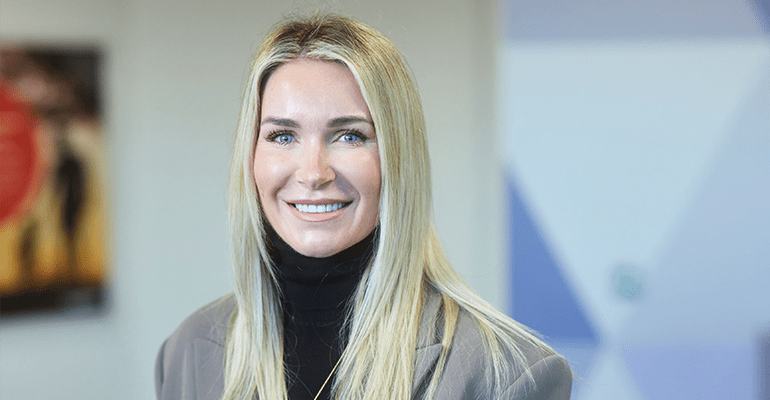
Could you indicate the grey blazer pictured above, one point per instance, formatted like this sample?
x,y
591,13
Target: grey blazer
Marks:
x,y
190,364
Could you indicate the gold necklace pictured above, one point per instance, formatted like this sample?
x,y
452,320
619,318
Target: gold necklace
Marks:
x,y
327,379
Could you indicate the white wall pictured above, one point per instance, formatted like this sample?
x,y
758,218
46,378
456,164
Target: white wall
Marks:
x,y
173,77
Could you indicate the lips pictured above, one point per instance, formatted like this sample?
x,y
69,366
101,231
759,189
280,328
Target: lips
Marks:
x,y
318,208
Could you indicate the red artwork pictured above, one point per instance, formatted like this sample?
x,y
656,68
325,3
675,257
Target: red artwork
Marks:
x,y
17,152
53,213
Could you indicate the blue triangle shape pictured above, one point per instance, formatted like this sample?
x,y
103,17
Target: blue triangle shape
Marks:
x,y
762,13
542,299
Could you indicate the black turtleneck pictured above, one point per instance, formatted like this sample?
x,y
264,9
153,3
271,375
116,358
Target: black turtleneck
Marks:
x,y
315,294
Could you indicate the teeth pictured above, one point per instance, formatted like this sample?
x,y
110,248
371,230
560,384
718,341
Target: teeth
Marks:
x,y
319,208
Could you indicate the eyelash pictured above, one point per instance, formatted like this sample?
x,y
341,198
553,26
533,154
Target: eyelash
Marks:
x,y
274,135
355,133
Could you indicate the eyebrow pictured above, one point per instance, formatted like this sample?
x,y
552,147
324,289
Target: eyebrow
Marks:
x,y
347,120
337,122
280,122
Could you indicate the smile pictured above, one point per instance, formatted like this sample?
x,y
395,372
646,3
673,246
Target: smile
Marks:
x,y
319,208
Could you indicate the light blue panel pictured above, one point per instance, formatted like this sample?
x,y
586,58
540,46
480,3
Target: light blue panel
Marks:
x,y
580,355
611,19
609,378
609,144
712,281
693,373
639,136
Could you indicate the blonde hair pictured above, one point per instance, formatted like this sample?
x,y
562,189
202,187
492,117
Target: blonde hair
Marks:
x,y
384,318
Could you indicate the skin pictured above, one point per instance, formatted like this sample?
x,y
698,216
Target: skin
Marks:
x,y
317,146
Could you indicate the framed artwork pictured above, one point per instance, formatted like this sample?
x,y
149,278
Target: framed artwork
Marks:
x,y
54,219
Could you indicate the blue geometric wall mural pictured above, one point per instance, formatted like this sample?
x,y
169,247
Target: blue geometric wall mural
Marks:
x,y
723,232
636,136
542,299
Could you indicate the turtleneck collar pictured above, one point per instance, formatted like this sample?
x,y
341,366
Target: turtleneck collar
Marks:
x,y
318,284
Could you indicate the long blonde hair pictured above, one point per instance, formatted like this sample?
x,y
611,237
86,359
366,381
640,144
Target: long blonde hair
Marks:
x,y
384,321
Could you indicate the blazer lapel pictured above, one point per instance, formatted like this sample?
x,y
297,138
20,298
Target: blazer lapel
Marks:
x,y
426,358
428,346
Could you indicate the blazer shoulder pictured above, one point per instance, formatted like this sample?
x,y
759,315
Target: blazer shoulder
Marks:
x,y
208,322
469,370
550,378
546,375
191,361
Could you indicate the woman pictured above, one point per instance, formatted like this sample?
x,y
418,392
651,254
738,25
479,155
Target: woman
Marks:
x,y
342,288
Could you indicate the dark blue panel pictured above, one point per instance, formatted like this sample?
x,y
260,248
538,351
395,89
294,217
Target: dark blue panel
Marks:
x,y
764,366
763,14
542,299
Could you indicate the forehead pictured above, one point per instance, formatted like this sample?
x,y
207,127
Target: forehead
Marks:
x,y
312,92
309,82
312,68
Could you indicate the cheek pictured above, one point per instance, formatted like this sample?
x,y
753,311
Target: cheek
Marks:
x,y
370,178
373,188
264,174
375,178
256,172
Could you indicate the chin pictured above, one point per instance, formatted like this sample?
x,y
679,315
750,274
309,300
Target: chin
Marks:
x,y
317,252
316,249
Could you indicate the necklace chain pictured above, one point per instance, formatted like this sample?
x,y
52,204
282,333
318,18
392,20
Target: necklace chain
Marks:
x,y
327,379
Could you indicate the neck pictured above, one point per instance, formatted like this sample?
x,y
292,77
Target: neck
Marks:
x,y
315,295
316,284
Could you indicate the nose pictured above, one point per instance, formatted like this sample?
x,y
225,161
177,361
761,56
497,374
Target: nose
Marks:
x,y
314,170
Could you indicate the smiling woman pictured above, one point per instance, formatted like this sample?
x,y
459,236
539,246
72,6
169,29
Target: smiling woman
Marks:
x,y
342,289
317,164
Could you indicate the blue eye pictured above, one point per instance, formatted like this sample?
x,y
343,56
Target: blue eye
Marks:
x,y
284,138
280,137
353,137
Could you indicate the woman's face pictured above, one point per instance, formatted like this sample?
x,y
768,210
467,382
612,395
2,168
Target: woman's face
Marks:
x,y
317,164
